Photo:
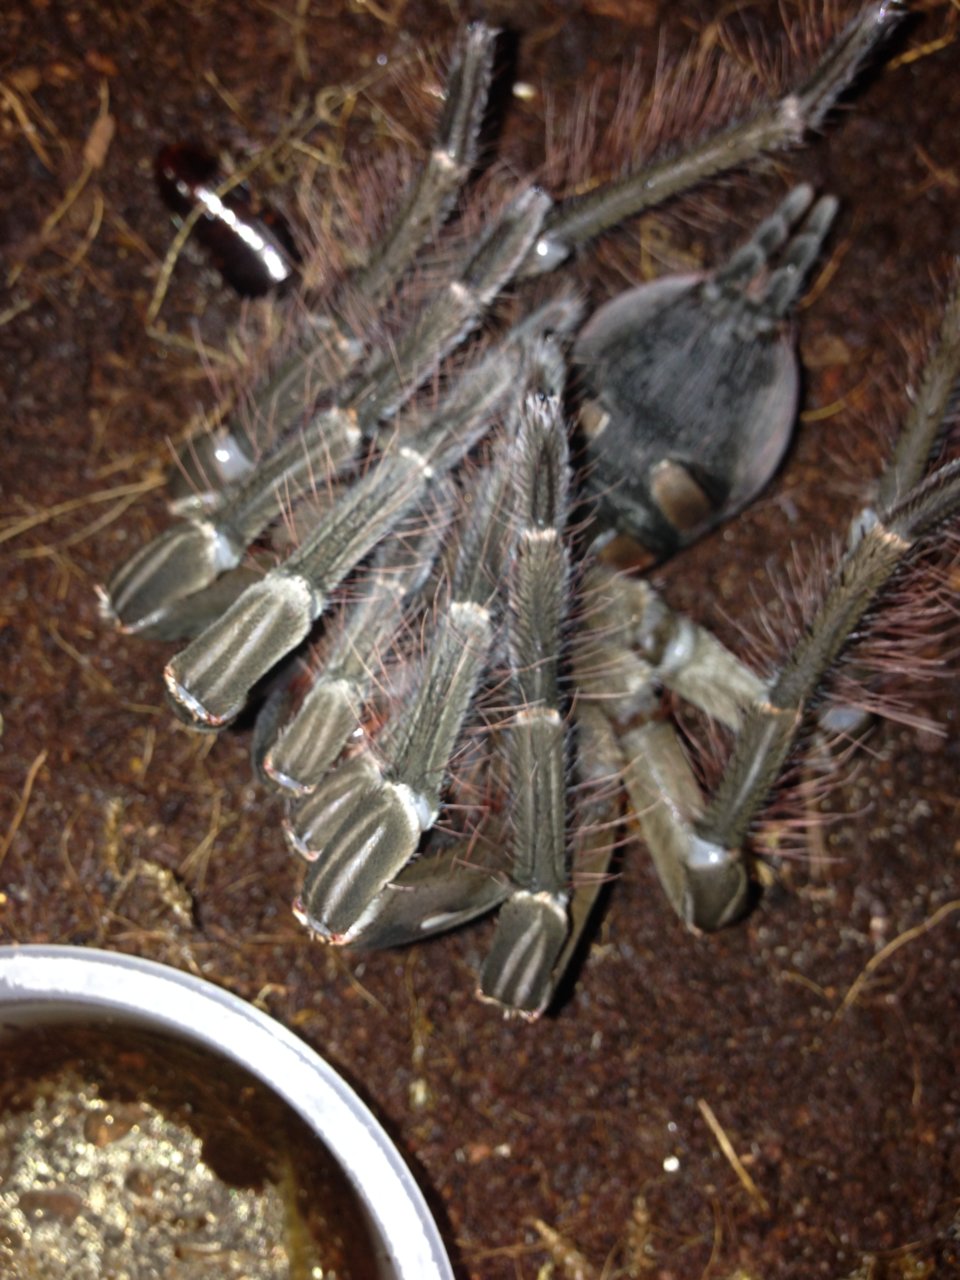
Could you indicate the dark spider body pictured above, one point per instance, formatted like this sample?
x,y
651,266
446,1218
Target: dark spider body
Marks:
x,y
687,391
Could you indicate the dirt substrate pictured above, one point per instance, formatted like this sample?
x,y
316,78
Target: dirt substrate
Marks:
x,y
594,1141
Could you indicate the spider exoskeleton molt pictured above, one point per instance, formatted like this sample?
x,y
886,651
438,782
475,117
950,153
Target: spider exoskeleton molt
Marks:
x,y
450,542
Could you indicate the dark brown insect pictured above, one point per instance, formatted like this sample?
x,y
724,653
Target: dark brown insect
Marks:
x,y
249,243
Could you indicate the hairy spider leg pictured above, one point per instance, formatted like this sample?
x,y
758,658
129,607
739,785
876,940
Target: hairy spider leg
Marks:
x,y
633,647
308,742
934,399
295,751
784,123
327,352
297,738
879,543
533,923
363,824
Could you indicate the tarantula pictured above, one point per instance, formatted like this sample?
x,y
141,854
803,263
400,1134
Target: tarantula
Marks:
x,y
445,543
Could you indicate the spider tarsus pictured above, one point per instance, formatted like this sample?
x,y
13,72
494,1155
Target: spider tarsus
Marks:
x,y
856,44
451,158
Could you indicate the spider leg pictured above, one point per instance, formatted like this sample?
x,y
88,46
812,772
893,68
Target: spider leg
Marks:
x,y
633,646
769,732
190,555
185,558
781,124
327,353
295,751
705,839
309,741
364,821
533,923
452,156
209,680
705,883
933,401
597,810
189,616
635,635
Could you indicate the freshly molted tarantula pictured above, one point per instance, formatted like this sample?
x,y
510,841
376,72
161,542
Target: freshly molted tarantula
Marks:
x,y
445,749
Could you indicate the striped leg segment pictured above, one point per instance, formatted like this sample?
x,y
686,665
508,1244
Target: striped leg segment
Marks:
x,y
532,926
